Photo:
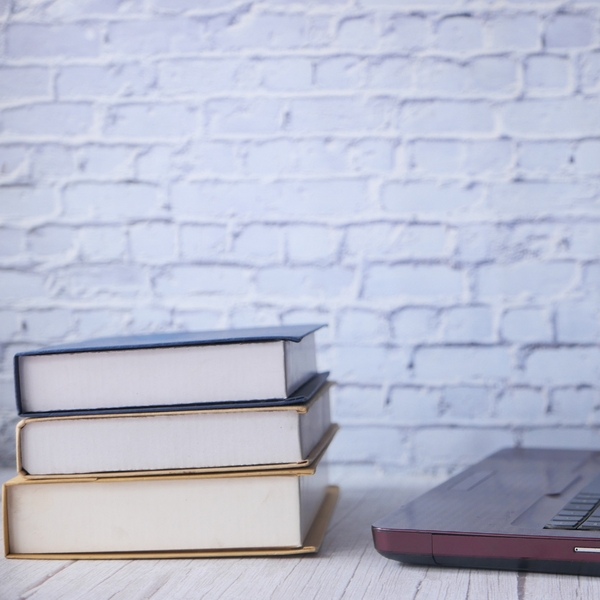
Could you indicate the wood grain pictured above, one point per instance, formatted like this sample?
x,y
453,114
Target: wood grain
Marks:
x,y
347,568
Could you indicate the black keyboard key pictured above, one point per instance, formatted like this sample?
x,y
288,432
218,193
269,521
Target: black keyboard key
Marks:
x,y
572,513
584,507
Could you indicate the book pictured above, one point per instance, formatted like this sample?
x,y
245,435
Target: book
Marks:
x,y
181,370
128,517
172,442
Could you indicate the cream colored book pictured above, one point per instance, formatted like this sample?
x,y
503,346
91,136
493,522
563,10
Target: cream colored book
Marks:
x,y
171,442
238,513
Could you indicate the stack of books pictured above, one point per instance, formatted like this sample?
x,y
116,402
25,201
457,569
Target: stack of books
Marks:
x,y
194,444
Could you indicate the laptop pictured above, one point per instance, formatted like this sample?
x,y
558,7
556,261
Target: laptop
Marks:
x,y
519,509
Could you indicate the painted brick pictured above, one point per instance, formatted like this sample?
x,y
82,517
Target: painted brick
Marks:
x,y
468,364
535,198
24,82
572,116
521,405
101,244
423,198
267,158
357,402
51,239
209,76
546,73
488,157
471,324
373,365
590,75
202,157
153,242
475,243
202,241
329,156
408,405
437,156
390,72
22,202
287,74
258,241
47,325
310,243
109,201
465,402
569,31
52,161
415,325
439,117
112,161
513,32
372,156
357,33
91,81
459,33
442,447
154,164
341,72
149,120
578,321
61,119
404,33
43,41
545,157
9,324
574,405
149,36
269,31
257,116
100,280
369,444
11,242
339,114
16,285
13,162
563,366
204,279
362,326
412,282
414,241
422,178
529,325
525,280
305,281
587,157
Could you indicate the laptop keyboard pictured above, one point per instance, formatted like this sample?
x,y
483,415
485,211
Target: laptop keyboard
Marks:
x,y
582,512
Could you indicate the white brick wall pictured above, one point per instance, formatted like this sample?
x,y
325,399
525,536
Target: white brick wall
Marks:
x,y
422,176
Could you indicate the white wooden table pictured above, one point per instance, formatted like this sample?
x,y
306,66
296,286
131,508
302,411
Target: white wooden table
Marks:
x,y
346,567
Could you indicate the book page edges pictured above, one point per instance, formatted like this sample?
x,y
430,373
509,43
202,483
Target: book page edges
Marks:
x,y
315,454
311,544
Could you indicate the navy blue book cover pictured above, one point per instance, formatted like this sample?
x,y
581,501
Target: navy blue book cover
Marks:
x,y
292,333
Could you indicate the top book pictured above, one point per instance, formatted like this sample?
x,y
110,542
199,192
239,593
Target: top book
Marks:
x,y
166,370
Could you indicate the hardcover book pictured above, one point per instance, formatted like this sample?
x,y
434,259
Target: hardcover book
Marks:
x,y
237,513
176,442
161,371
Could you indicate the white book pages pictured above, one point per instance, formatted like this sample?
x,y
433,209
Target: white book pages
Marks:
x,y
165,375
161,514
166,441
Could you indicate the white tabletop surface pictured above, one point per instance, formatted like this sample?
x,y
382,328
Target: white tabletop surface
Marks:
x,y
346,567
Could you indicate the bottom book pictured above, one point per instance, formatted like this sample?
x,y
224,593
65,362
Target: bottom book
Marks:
x,y
226,514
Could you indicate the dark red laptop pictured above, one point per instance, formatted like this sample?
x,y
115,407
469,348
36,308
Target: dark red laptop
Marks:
x,y
519,509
